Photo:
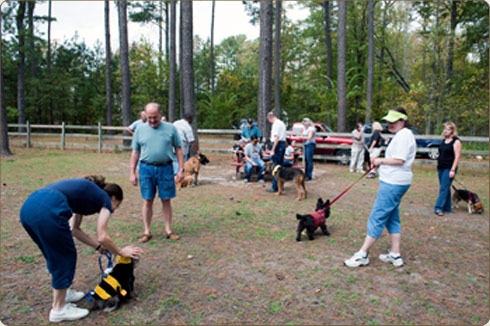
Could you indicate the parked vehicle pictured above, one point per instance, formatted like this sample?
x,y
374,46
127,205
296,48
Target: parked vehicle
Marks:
x,y
343,154
421,142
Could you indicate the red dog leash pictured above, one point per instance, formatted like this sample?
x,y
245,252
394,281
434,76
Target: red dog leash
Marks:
x,y
352,185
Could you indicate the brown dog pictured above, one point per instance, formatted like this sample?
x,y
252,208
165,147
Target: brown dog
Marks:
x,y
472,200
192,166
287,174
186,182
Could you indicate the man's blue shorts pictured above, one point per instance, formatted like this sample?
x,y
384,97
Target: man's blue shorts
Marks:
x,y
152,176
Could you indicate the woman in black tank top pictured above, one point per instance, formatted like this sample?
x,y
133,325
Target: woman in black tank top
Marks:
x,y
447,166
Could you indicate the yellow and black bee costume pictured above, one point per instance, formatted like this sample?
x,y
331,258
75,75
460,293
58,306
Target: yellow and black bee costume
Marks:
x,y
119,282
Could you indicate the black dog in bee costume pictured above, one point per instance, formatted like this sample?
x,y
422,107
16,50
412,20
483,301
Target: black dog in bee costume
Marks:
x,y
116,287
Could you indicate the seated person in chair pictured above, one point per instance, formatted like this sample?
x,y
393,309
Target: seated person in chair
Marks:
x,y
253,154
247,132
288,155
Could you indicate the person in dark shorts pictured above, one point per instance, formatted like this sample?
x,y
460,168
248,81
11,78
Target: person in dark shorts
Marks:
x,y
153,146
45,216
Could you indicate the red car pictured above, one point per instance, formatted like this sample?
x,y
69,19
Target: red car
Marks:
x,y
342,154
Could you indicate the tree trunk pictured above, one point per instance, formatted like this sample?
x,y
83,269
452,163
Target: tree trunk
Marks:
x,y
370,63
277,60
265,64
167,32
211,55
454,23
435,71
108,77
328,39
172,63
160,30
48,59
125,74
188,65
360,34
4,123
181,81
33,60
21,100
341,62
382,53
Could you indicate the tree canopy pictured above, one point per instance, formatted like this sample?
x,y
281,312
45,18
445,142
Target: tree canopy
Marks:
x,y
429,57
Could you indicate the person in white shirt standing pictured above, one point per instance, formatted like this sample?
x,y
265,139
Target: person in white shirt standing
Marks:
x,y
357,149
310,145
278,140
395,177
186,134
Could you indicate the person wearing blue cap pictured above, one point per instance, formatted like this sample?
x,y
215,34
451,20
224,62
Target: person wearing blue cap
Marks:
x,y
395,177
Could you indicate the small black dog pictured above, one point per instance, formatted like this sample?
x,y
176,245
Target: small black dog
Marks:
x,y
116,287
311,222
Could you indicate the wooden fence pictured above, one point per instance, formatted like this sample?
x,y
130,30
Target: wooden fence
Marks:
x,y
100,137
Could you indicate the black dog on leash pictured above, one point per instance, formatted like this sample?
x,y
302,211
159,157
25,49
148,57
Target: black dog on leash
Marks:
x,y
311,222
116,287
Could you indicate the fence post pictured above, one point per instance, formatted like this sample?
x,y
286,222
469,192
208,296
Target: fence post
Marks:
x,y
63,136
28,132
100,137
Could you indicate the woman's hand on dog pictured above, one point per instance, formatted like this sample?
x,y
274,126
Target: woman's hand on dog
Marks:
x,y
130,251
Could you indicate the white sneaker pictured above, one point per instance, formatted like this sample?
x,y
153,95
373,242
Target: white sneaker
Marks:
x,y
261,181
396,260
357,260
68,312
73,296
245,181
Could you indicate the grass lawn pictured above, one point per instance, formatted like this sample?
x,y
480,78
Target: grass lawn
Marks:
x,y
238,262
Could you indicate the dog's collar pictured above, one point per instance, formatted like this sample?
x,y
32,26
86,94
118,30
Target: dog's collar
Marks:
x,y
123,260
275,170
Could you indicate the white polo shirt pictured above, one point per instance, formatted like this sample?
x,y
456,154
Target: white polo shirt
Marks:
x,y
185,133
279,130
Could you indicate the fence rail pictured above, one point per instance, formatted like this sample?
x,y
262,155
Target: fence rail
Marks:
x,y
98,134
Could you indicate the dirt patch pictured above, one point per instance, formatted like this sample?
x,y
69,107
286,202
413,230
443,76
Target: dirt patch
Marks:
x,y
237,239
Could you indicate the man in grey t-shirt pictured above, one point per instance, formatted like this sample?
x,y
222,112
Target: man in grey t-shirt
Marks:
x,y
253,157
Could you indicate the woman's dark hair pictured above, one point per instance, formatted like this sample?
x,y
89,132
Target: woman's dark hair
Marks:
x,y
402,110
112,189
288,141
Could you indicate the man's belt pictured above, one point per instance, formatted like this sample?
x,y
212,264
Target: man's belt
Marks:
x,y
156,164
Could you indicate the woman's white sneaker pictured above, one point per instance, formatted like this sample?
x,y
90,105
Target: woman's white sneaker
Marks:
x,y
357,260
395,259
73,296
68,312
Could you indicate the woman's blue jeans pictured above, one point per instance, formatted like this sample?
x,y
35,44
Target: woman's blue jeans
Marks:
x,y
443,202
309,149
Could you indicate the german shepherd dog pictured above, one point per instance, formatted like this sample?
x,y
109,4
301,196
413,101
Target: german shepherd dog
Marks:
x,y
311,222
473,201
192,166
287,174
116,287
